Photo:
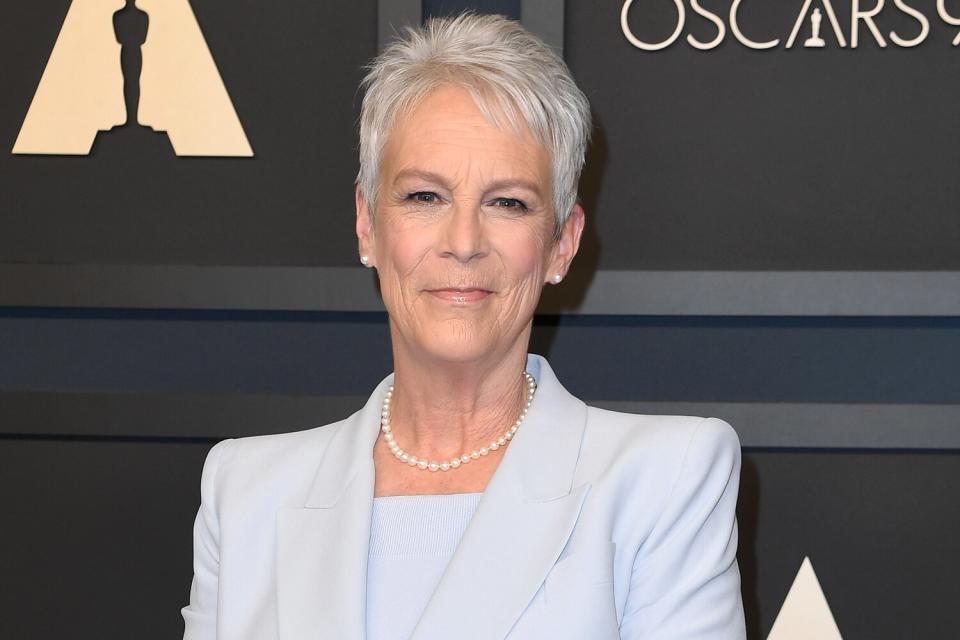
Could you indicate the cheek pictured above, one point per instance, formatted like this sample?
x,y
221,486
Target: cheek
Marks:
x,y
402,252
525,259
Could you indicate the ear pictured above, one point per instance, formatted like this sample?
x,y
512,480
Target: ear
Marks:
x,y
566,247
364,226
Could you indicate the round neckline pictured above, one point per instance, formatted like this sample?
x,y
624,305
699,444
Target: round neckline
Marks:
x,y
432,495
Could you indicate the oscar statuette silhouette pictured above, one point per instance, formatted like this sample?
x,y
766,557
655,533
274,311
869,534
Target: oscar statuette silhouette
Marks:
x,y
815,41
131,25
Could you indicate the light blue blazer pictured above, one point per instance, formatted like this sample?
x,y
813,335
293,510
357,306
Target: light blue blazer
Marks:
x,y
596,525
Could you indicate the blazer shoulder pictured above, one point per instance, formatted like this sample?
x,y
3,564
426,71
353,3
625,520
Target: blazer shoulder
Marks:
x,y
659,431
274,458
628,444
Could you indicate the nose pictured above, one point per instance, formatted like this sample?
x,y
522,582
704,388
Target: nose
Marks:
x,y
463,236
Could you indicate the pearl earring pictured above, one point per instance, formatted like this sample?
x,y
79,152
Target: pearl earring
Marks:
x,y
557,278
365,260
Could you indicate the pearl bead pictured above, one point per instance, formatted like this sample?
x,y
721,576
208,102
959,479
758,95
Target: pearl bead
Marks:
x,y
454,463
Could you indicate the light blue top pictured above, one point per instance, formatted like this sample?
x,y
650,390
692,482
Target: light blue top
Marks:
x,y
412,538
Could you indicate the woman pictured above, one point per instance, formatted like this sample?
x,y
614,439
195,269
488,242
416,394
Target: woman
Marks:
x,y
472,496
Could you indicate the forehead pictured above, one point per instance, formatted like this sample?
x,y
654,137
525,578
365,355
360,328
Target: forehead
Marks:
x,y
446,132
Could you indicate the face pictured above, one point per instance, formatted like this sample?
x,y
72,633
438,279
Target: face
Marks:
x,y
463,234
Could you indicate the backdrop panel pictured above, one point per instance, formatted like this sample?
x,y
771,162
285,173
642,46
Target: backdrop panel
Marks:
x,y
291,70
736,158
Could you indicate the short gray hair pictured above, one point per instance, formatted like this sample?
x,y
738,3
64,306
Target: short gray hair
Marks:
x,y
508,71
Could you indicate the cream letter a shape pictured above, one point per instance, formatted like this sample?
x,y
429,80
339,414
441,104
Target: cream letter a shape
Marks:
x,y
805,613
181,91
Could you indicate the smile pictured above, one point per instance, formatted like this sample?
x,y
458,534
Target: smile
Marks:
x,y
459,296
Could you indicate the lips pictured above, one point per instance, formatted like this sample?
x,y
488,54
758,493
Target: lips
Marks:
x,y
459,296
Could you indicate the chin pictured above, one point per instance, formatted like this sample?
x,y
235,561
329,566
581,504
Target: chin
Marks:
x,y
461,343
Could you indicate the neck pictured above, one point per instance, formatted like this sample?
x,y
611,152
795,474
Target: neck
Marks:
x,y
443,409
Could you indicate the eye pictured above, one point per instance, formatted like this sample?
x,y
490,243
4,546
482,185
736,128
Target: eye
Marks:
x,y
423,197
509,203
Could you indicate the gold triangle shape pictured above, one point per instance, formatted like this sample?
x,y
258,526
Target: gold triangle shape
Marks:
x,y
805,614
181,90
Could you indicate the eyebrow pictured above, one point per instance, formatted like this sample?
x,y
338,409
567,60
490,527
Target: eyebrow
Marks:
x,y
514,182
504,183
429,176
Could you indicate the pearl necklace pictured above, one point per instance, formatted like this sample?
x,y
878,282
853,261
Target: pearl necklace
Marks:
x,y
454,463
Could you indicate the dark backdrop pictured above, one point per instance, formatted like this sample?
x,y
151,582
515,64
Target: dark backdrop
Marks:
x,y
829,159
731,159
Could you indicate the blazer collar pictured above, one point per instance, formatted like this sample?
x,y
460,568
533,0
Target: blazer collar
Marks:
x,y
520,527
551,431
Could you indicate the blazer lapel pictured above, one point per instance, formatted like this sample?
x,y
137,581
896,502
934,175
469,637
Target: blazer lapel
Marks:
x,y
322,547
521,525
